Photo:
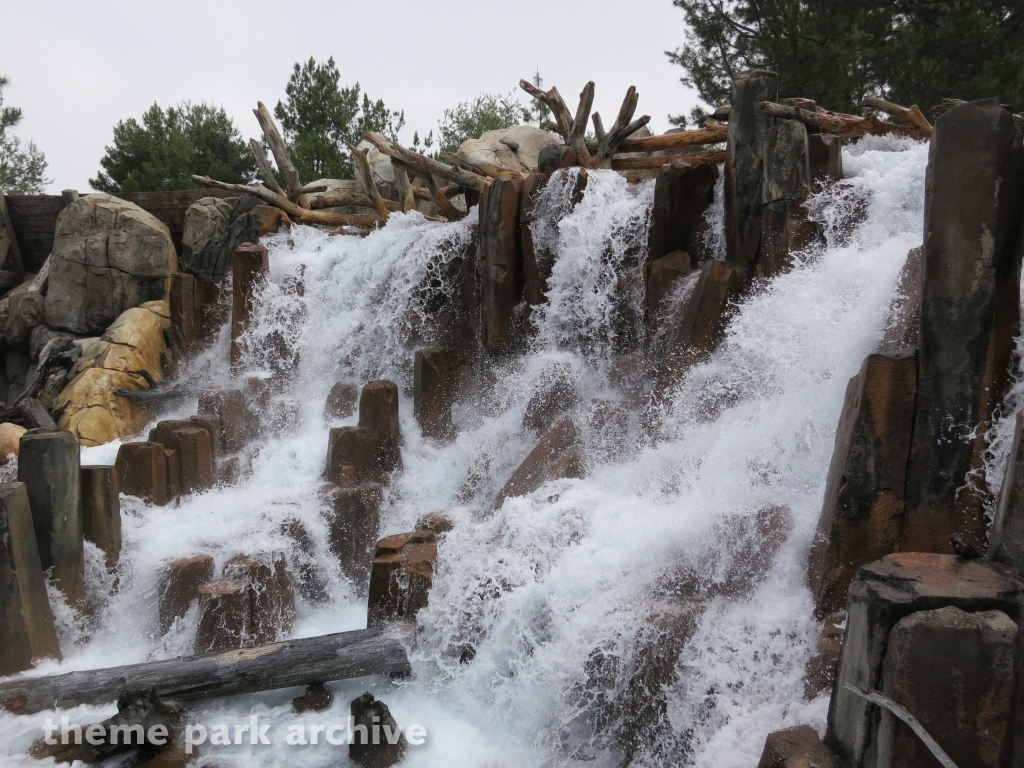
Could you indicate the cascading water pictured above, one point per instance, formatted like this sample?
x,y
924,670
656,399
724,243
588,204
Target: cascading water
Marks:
x,y
559,630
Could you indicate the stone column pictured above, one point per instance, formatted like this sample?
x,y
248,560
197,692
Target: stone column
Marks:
x,y
969,316
744,166
142,471
101,511
785,185
49,467
501,259
378,415
249,268
434,392
27,631
682,195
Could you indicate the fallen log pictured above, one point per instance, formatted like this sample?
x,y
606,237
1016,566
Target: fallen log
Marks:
x,y
263,167
292,663
479,166
711,133
843,126
426,167
913,115
654,163
279,150
305,215
362,166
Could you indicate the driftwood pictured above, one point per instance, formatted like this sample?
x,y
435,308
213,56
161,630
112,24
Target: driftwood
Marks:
x,y
653,163
305,215
913,115
362,165
263,166
843,126
279,150
268,667
426,167
404,189
479,166
608,142
571,128
711,133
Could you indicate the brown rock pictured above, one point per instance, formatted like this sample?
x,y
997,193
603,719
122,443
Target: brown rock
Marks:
x,y
885,592
173,458
955,672
341,401
553,457
10,440
401,577
970,309
271,594
193,306
351,455
229,472
378,415
196,459
663,277
825,152
785,229
270,220
863,507
436,522
554,393
798,747
353,519
434,392
682,194
142,471
536,267
820,671
101,511
179,586
501,260
904,321
249,269
228,406
27,631
315,699
94,414
225,617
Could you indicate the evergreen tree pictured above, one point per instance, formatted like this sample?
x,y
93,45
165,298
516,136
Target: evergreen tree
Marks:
x,y
22,168
470,119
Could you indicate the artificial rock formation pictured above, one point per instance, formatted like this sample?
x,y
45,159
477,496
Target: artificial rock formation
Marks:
x,y
10,440
108,256
216,226
557,455
798,747
536,266
27,631
249,269
434,391
193,305
1006,542
230,410
786,183
179,586
969,315
353,520
401,576
682,194
101,511
142,471
501,261
341,401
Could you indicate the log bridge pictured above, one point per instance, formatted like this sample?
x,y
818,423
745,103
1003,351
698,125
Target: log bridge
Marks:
x,y
340,656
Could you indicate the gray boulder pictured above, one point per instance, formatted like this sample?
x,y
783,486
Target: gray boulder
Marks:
x,y
26,313
517,148
214,228
109,255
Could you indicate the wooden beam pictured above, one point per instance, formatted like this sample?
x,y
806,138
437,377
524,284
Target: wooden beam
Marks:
x,y
653,163
15,250
304,661
843,126
712,133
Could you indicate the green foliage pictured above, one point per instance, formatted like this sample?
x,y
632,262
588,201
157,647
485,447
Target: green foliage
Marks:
x,y
168,147
320,119
907,51
470,119
22,169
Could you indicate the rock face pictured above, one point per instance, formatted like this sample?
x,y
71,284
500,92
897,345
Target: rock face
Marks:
x,y
271,594
353,519
88,405
378,415
663,277
969,315
501,261
955,672
27,631
881,595
49,468
228,408
555,456
744,166
249,269
341,401
108,256
863,508
214,228
193,306
682,194
401,576
179,586
1006,542
27,312
101,511
434,391
798,747
536,266
142,472
786,183
517,148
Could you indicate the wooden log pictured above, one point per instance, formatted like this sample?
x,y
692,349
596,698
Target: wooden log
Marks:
x,y
404,188
445,206
914,115
711,133
305,215
425,167
263,166
279,150
571,128
843,126
608,143
362,164
42,277
481,166
654,163
340,656
15,249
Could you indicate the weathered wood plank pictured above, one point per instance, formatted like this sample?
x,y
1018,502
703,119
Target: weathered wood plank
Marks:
x,y
281,665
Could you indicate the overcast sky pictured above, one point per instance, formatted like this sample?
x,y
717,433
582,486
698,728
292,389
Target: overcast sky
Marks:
x,y
76,68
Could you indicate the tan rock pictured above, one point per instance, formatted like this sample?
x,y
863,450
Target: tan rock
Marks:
x,y
141,329
10,440
93,413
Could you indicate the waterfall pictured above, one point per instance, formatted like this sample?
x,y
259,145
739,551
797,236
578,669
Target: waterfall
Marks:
x,y
563,627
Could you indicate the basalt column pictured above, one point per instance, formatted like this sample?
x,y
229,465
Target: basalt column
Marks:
x,y
786,184
249,268
501,260
969,316
682,194
744,166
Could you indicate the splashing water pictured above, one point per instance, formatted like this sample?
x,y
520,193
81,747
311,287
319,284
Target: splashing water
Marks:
x,y
616,619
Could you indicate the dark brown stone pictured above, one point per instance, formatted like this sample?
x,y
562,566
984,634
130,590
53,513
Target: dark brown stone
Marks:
x,y
785,229
341,401
436,522
378,415
825,152
863,508
193,305
536,268
225,617
556,156
970,310
269,220
744,165
173,458
682,195
316,698
956,673
196,454
305,561
163,432
370,716
229,471
27,631
271,594
400,577
904,321
820,671
351,455
249,267
554,393
142,471
48,465
798,747
663,277
179,586
501,260
101,511
353,521
228,406
434,392
554,457
885,592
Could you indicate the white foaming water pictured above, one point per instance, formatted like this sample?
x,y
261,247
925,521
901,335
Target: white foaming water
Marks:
x,y
542,611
